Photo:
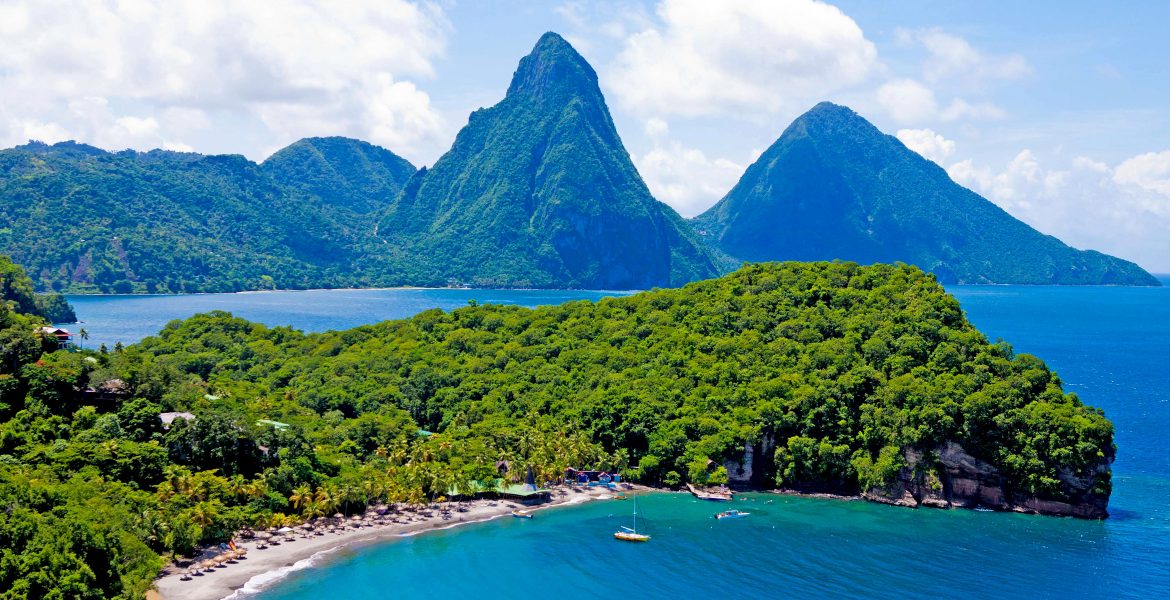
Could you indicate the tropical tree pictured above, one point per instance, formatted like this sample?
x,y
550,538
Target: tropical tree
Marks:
x,y
301,497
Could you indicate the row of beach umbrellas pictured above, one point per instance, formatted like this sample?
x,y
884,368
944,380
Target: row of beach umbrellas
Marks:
x,y
211,564
337,523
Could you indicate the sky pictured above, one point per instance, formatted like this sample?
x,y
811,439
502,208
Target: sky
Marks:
x,y
1058,112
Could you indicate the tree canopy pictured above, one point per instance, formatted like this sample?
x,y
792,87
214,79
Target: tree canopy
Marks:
x,y
844,368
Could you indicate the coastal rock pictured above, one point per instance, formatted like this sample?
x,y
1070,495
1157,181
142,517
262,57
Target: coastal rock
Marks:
x,y
745,472
951,477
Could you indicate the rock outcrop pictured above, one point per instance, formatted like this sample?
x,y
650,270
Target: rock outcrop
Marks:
x,y
955,479
746,472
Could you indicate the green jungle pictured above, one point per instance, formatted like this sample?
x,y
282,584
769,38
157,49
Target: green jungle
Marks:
x,y
844,366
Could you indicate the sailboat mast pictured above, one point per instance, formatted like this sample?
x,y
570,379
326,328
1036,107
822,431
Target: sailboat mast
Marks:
x,y
635,514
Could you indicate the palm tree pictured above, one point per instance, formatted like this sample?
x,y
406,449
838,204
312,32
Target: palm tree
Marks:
x,y
301,497
83,335
154,529
204,514
346,493
373,488
328,497
237,486
258,488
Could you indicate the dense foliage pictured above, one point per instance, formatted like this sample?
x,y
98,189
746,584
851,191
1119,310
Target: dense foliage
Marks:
x,y
16,291
85,220
538,191
843,367
834,187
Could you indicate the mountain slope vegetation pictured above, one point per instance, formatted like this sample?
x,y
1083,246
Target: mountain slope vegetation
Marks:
x,y
849,369
85,220
538,191
834,187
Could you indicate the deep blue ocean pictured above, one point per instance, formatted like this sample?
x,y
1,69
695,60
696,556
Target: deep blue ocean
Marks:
x,y
1110,345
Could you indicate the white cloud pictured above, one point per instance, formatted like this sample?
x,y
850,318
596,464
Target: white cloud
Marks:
x,y
910,102
950,56
1082,202
705,58
1150,171
928,143
162,70
656,128
685,178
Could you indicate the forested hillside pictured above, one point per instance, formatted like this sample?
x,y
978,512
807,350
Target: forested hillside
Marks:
x,y
86,220
834,187
849,370
538,191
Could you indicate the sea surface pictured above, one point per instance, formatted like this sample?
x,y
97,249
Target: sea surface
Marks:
x,y
129,318
1110,345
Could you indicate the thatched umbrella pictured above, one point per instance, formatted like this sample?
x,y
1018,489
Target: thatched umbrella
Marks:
x,y
208,566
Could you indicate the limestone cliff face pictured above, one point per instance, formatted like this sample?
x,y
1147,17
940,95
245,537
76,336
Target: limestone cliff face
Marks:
x,y
962,480
747,472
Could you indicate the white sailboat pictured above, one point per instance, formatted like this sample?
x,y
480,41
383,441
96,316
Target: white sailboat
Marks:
x,y
630,534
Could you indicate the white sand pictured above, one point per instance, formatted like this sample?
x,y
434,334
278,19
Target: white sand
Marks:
x,y
263,567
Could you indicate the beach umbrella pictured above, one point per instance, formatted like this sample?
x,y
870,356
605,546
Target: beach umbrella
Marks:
x,y
208,565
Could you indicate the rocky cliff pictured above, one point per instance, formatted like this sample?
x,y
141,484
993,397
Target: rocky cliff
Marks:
x,y
947,478
952,478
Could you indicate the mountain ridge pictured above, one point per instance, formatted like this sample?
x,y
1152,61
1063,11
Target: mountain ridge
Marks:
x,y
833,186
539,189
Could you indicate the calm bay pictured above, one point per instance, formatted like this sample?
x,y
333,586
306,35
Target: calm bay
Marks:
x,y
1110,345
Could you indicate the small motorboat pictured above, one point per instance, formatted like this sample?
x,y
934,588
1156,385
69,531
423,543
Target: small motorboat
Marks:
x,y
521,514
731,514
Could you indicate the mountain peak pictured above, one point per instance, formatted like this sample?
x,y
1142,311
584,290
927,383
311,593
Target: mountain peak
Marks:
x,y
833,186
827,118
552,67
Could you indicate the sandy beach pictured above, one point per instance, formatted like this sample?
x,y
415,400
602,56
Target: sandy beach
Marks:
x,y
262,567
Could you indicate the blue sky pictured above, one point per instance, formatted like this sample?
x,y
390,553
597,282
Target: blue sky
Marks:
x,y
1057,112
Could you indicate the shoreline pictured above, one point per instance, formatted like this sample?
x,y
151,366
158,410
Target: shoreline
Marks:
x,y
339,289
261,569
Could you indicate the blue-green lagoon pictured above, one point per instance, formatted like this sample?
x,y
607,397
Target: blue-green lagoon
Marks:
x,y
1110,345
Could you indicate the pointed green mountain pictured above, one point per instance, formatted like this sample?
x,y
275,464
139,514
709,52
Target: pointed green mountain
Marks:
x,y
539,191
835,187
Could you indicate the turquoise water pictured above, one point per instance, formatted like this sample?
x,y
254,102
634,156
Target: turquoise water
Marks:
x,y
1110,345
128,319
